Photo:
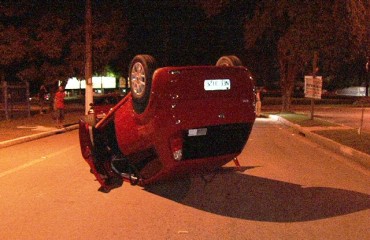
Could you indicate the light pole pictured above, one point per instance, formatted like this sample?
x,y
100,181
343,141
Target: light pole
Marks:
x,y
88,63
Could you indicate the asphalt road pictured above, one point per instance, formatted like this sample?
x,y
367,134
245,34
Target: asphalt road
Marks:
x,y
290,188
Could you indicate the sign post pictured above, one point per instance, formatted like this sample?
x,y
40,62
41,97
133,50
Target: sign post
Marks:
x,y
311,87
312,90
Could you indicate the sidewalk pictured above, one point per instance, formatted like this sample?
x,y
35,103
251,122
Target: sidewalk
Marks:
x,y
37,126
359,158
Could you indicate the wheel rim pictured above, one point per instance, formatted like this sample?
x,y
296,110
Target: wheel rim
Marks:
x,y
138,79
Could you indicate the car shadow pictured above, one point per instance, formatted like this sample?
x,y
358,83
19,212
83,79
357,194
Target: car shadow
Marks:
x,y
229,193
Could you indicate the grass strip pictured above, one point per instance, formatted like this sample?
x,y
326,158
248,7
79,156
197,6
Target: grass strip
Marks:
x,y
305,121
349,138
346,137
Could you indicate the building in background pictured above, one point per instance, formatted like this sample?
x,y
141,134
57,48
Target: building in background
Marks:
x,y
101,85
352,91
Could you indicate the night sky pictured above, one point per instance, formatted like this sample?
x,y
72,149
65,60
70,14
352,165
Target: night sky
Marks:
x,y
182,36
174,32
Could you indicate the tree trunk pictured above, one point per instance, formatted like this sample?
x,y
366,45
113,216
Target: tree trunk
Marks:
x,y
286,101
288,75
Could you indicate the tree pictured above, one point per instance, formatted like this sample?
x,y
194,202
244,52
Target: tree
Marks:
x,y
224,26
61,40
212,7
48,49
171,31
109,34
46,43
335,29
13,38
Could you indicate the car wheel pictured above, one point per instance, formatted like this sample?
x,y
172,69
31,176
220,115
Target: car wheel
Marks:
x,y
140,74
229,61
85,139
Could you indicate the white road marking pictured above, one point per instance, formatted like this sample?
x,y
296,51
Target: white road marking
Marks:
x,y
37,128
36,161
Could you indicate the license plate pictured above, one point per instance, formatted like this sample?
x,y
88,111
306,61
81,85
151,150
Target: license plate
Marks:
x,y
217,84
197,132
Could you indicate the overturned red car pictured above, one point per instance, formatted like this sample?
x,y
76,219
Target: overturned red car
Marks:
x,y
175,121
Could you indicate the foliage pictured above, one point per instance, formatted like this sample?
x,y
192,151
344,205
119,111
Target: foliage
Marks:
x,y
212,7
12,44
335,29
47,43
12,38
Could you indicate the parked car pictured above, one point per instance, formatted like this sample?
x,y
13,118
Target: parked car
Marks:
x,y
175,121
103,104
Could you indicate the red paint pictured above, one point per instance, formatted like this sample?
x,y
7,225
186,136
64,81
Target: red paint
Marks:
x,y
179,102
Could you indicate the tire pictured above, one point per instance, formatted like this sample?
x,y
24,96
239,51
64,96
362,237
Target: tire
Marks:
x,y
141,72
85,139
229,61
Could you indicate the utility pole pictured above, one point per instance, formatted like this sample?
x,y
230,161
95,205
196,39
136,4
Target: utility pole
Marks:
x,y
88,63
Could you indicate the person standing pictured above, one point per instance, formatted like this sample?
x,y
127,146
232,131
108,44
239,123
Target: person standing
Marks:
x,y
258,103
59,106
42,97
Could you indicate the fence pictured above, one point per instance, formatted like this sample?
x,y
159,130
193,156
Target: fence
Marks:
x,y
14,99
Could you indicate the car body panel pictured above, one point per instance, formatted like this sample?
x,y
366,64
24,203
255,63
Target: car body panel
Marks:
x,y
181,111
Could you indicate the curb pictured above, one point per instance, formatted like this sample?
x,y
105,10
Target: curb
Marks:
x,y
32,137
358,157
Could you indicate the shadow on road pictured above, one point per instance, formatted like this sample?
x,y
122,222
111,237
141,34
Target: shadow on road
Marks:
x,y
236,195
